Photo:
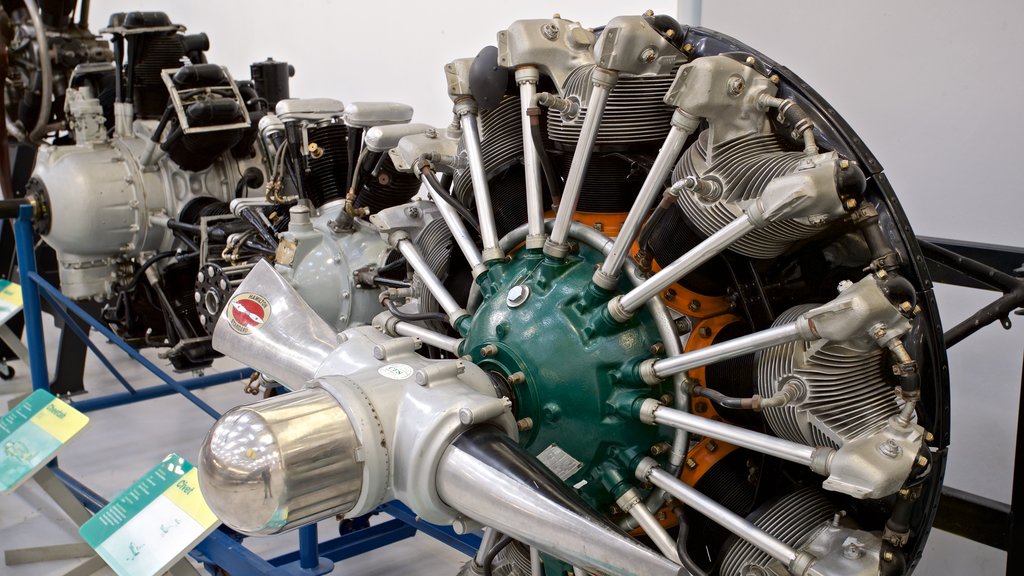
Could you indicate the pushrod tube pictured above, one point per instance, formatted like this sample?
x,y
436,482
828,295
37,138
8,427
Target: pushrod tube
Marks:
x,y
431,281
455,225
604,80
481,192
763,443
728,349
723,516
527,77
713,245
427,336
608,273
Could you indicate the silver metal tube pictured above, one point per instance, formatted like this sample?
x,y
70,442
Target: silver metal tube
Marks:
x,y
45,69
699,254
527,77
514,494
489,538
536,567
446,343
481,193
556,244
608,273
632,503
723,516
459,232
728,349
764,443
430,280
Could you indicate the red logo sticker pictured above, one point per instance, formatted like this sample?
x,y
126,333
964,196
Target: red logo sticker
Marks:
x,y
247,312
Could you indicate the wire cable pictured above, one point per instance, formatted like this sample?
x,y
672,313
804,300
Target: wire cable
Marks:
x,y
414,317
443,194
489,558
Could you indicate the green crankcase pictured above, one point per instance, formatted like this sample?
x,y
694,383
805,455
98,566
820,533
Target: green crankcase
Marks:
x,y
541,317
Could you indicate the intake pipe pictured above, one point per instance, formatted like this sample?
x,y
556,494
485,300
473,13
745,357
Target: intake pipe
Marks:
x,y
269,327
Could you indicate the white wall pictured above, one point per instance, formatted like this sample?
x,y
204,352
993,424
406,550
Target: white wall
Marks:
x,y
932,86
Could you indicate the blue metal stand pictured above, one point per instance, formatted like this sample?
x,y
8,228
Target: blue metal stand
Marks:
x,y
223,549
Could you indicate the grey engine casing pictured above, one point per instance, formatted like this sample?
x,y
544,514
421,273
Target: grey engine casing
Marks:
x,y
103,202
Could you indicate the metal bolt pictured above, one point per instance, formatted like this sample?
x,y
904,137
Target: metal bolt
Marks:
x,y
315,150
837,517
890,449
774,78
844,164
700,407
916,310
430,133
687,47
649,55
413,212
922,461
844,285
711,447
750,61
853,550
851,203
694,305
691,463
489,350
888,557
657,348
906,308
517,295
666,399
524,424
929,437
670,294
660,448
649,13
736,85
704,332
516,378
904,492
549,31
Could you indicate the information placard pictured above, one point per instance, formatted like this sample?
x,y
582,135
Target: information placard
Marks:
x,y
32,434
154,523
10,300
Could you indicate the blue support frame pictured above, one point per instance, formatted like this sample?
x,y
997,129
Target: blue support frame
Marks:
x,y
222,549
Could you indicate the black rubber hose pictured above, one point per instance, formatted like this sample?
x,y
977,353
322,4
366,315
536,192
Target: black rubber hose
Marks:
x,y
412,317
439,191
554,183
489,557
159,131
684,554
145,266
446,181
397,263
355,139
